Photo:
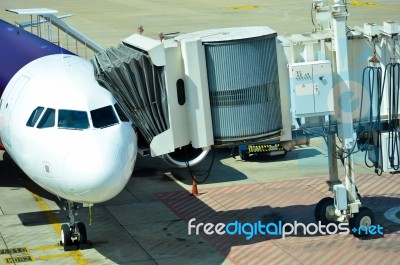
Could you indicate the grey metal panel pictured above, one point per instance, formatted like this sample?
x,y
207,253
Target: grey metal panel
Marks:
x,y
244,88
138,85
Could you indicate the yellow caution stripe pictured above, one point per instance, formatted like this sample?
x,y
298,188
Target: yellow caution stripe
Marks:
x,y
265,148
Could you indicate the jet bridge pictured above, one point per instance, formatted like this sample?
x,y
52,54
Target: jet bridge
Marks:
x,y
211,88
225,87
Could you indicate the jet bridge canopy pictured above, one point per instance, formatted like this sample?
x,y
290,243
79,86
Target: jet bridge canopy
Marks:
x,y
137,84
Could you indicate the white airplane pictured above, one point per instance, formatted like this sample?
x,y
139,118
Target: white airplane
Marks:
x,y
65,131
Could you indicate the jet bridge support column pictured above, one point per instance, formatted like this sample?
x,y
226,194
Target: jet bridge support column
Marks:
x,y
345,205
345,118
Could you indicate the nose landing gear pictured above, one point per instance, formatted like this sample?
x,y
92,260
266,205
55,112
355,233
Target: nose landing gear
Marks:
x,y
73,234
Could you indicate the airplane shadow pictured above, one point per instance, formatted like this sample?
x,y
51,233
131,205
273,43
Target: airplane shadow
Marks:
x,y
12,176
9,172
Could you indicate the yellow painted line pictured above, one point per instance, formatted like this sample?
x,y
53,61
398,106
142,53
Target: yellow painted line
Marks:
x,y
79,258
55,223
55,256
241,7
358,3
76,255
42,248
372,5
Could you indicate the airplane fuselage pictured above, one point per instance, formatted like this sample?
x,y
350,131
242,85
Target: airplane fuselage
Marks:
x,y
64,130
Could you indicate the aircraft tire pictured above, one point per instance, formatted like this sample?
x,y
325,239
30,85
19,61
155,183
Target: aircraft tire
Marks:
x,y
82,232
66,235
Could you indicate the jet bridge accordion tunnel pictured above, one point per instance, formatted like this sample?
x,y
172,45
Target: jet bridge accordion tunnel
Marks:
x,y
209,88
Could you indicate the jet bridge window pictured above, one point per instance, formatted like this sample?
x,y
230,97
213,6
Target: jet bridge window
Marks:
x,y
34,116
104,117
48,119
72,119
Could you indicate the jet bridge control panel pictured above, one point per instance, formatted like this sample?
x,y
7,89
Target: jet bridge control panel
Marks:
x,y
311,88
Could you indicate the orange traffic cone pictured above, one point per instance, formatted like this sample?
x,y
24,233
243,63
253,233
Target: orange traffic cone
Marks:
x,y
195,192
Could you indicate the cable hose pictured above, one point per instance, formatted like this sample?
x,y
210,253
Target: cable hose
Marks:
x,y
375,74
374,77
206,173
392,73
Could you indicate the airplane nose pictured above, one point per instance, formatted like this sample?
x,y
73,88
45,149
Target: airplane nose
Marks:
x,y
96,172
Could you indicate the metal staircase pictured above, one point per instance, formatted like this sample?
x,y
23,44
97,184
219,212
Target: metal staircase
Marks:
x,y
45,24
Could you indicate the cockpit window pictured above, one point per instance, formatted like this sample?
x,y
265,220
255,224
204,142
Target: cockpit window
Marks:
x,y
120,113
48,119
34,116
103,117
72,119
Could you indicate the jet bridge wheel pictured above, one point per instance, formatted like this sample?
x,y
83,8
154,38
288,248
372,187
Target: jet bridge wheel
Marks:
x,y
186,155
322,211
364,218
